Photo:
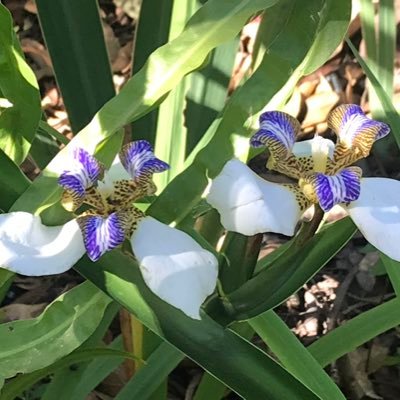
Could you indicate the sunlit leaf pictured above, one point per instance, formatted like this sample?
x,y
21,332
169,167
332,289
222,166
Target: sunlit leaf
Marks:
x,y
63,326
19,86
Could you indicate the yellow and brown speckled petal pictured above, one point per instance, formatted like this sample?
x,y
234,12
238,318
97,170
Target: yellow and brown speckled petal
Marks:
x,y
356,133
291,166
128,191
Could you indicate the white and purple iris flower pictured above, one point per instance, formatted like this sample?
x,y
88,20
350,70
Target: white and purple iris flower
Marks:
x,y
322,174
174,266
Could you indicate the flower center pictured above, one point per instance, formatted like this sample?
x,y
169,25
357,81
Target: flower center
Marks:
x,y
110,215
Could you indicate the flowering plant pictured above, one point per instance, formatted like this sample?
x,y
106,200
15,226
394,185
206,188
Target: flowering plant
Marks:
x,y
181,283
170,261
249,204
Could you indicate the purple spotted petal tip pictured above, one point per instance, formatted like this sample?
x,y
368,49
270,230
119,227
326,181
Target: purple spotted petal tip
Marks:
x,y
340,188
83,172
278,130
101,234
138,159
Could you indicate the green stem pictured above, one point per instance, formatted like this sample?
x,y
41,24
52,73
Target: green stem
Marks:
x,y
308,229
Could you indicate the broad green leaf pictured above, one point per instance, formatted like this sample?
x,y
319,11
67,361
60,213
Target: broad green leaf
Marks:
x,y
149,36
23,382
251,372
171,134
18,85
209,388
146,380
145,342
387,45
286,274
6,279
380,42
335,18
294,356
393,269
45,127
367,14
208,92
85,376
289,46
13,181
74,37
216,22
356,332
79,383
62,327
43,148
238,259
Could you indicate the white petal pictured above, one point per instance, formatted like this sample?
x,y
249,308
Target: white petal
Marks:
x,y
249,204
318,144
30,248
115,173
377,214
174,266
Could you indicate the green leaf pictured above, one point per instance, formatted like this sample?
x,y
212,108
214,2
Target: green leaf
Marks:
x,y
6,279
149,37
44,127
387,45
209,388
335,19
214,23
294,356
251,372
288,48
238,259
63,326
208,92
393,269
13,181
43,148
286,274
217,21
367,14
147,379
68,383
356,332
19,86
21,383
74,37
80,382
170,143
380,41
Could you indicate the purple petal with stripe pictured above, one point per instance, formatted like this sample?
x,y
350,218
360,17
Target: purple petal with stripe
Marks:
x,y
340,188
350,122
83,173
276,128
138,159
101,234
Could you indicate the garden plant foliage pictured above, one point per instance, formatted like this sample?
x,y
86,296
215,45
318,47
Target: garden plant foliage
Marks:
x,y
168,96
